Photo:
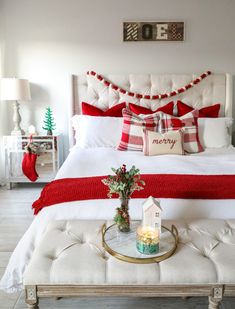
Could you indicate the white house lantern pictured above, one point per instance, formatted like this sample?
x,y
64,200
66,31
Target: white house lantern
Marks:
x,y
152,213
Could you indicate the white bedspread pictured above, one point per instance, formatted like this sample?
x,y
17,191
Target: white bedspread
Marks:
x,y
97,162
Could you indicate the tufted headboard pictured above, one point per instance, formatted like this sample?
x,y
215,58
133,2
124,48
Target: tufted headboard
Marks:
x,y
216,88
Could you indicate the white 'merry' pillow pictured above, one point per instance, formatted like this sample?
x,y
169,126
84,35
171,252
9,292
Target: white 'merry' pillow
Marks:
x,y
94,131
156,143
214,132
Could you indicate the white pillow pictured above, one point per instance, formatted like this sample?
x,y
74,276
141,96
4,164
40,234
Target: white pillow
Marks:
x,y
94,131
214,132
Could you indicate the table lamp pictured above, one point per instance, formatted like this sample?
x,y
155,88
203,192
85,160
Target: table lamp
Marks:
x,y
14,89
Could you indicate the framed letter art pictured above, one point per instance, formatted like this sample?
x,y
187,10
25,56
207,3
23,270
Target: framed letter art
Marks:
x,y
153,31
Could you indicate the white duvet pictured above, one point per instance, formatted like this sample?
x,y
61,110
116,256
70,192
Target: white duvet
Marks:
x,y
97,162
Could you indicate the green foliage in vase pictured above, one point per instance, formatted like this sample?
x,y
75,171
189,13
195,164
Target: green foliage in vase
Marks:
x,y
49,124
118,218
124,182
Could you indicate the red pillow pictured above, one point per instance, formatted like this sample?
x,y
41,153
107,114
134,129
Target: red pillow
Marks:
x,y
205,112
167,109
114,111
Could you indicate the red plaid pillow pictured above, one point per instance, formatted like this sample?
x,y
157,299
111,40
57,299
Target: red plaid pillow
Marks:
x,y
132,130
188,124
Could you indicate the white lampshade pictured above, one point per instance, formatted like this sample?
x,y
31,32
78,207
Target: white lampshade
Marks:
x,y
15,89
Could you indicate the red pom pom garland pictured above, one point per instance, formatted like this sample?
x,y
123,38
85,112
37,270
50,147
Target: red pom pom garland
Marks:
x,y
148,97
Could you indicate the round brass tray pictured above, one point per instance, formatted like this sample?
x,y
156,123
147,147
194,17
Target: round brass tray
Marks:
x,y
123,245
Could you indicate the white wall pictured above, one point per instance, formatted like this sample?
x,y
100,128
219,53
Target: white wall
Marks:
x,y
3,112
48,40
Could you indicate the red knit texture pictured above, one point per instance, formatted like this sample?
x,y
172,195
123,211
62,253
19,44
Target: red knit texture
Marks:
x,y
29,166
157,185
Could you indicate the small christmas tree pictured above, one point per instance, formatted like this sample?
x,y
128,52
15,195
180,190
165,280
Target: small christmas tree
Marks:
x,y
49,121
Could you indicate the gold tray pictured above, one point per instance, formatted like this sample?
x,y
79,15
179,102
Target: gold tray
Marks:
x,y
123,245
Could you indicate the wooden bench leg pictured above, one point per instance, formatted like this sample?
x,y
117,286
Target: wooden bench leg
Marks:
x,y
216,297
32,306
213,303
31,297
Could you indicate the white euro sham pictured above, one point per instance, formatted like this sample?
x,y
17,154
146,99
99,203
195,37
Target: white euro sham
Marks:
x,y
214,132
95,131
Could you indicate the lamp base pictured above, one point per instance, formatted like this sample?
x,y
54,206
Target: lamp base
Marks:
x,y
17,132
16,120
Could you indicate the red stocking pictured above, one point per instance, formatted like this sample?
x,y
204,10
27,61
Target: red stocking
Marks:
x,y
29,160
28,166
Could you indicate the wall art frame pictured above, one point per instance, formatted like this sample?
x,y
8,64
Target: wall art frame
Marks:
x,y
153,31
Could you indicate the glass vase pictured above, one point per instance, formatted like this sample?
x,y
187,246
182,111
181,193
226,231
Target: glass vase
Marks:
x,y
124,218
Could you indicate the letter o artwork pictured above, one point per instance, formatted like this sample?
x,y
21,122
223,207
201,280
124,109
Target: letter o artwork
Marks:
x,y
147,32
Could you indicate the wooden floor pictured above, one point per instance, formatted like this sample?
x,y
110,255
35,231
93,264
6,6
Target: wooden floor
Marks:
x,y
16,216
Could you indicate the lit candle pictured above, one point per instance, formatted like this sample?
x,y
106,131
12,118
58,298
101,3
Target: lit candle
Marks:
x,y
147,240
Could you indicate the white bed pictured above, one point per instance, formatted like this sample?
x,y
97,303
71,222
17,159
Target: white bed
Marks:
x,y
98,161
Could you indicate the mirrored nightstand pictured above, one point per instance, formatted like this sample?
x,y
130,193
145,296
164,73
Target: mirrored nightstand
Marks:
x,y
47,164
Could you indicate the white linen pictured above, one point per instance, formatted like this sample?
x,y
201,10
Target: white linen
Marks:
x,y
214,132
96,162
97,131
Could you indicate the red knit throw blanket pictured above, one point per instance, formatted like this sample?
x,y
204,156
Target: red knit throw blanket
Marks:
x,y
157,185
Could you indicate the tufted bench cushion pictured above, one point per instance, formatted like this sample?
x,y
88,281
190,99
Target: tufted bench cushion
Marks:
x,y
71,253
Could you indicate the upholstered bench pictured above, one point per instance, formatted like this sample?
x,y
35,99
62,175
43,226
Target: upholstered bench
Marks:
x,y
70,261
